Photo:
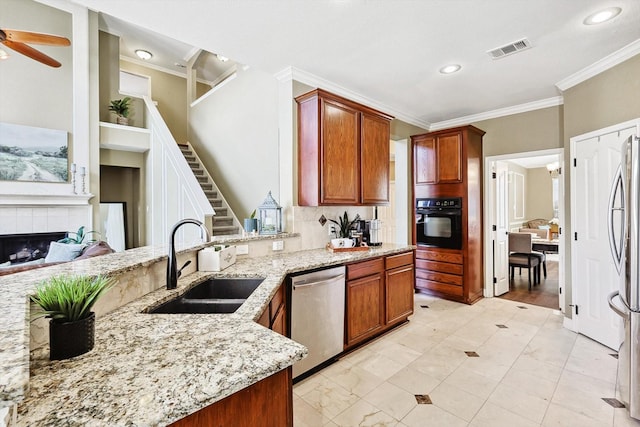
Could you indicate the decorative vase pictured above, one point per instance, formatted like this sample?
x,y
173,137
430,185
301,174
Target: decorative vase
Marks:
x,y
122,120
250,224
70,339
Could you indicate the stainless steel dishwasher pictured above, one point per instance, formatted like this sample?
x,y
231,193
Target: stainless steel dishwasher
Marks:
x,y
317,315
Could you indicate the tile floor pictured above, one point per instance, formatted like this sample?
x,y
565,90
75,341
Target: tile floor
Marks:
x,y
533,372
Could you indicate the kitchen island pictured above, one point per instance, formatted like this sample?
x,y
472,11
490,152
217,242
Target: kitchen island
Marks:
x,y
153,369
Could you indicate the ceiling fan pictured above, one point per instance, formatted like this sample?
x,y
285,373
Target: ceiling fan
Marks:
x,y
16,40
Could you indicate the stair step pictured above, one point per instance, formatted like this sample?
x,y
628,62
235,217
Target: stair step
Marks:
x,y
197,172
224,229
211,194
194,165
202,179
220,212
190,158
222,220
206,187
215,203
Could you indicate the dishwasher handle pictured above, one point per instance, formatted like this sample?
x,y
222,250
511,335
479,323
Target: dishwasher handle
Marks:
x,y
320,282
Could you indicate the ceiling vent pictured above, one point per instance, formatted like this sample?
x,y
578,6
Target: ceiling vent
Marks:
x,y
509,49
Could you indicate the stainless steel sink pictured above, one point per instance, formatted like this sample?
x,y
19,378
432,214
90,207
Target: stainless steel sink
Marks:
x,y
216,295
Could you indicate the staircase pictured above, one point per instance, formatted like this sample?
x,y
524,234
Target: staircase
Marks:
x,y
224,222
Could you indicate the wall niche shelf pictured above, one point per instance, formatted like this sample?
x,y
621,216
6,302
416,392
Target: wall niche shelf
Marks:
x,y
124,138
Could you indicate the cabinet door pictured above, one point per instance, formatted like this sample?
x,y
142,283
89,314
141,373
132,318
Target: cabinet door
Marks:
x,y
364,307
399,285
340,140
374,159
424,153
279,323
449,152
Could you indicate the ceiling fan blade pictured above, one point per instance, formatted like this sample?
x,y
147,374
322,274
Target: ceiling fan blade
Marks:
x,y
32,53
36,38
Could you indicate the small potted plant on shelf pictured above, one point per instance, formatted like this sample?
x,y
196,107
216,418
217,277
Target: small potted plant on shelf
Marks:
x,y
121,108
67,301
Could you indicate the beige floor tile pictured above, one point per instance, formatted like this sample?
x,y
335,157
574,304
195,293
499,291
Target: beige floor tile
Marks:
x,y
364,414
329,398
527,364
456,401
532,384
399,353
304,415
438,366
392,400
414,381
474,383
583,394
491,415
516,400
593,359
621,418
559,416
432,416
381,366
354,379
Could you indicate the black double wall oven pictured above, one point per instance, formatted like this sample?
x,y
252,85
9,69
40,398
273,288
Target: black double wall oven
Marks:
x,y
439,222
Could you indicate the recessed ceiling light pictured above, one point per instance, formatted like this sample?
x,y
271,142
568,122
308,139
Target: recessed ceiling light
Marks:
x,y
448,69
145,55
602,16
3,54
221,57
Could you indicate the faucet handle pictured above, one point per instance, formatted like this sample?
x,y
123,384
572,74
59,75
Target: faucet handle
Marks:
x,y
182,268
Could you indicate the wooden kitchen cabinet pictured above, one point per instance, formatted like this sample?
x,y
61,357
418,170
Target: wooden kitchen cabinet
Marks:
x,y
274,316
448,163
364,314
438,158
343,152
399,287
267,403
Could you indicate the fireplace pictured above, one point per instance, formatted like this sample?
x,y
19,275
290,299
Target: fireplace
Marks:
x,y
19,248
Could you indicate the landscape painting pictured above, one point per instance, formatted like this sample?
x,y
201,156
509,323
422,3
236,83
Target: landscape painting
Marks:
x,y
32,154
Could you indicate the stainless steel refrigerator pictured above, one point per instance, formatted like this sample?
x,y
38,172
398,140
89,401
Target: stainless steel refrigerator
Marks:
x,y
624,239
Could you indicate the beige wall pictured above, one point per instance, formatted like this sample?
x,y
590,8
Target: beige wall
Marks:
x,y
523,132
539,198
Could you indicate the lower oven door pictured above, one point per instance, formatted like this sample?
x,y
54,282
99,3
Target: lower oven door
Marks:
x,y
441,228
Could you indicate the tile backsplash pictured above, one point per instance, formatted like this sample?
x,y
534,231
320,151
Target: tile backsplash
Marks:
x,y
314,235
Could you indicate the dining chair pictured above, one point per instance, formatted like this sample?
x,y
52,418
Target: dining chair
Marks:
x,y
522,256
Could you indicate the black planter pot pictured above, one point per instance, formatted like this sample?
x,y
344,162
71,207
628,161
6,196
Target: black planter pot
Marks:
x,y
70,339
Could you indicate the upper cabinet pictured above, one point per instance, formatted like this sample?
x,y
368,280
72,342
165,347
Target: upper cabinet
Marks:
x,y
438,158
343,152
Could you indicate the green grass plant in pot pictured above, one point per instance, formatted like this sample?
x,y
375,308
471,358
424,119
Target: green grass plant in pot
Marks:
x,y
345,225
68,300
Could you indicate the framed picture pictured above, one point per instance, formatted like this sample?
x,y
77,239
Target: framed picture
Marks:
x,y
33,154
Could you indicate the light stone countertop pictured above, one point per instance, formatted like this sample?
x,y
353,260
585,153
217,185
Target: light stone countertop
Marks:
x,y
154,369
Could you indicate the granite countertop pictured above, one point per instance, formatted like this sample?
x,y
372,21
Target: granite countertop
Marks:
x,y
154,369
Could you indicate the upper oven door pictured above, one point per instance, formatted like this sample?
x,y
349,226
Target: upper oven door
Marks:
x,y
440,228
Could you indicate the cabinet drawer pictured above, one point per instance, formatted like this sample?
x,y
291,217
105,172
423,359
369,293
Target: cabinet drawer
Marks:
x,y
393,261
443,267
443,288
439,277
439,256
365,268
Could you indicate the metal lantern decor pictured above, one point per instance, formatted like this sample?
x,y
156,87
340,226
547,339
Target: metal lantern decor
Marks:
x,y
270,216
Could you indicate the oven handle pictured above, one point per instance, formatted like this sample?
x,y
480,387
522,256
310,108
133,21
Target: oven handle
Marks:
x,y
457,212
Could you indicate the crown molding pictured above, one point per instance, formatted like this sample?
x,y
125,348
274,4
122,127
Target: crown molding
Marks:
x,y
292,73
609,61
161,69
500,112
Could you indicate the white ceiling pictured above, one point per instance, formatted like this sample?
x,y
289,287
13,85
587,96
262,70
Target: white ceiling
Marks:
x,y
536,161
390,51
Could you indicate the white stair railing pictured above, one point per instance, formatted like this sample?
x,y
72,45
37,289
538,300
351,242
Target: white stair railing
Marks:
x,y
173,192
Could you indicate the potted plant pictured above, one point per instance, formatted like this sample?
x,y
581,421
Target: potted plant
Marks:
x,y
79,237
67,301
121,108
251,223
345,226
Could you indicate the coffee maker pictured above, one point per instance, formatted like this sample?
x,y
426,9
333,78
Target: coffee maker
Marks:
x,y
371,230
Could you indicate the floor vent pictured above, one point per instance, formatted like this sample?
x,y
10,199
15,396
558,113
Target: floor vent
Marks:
x,y
509,49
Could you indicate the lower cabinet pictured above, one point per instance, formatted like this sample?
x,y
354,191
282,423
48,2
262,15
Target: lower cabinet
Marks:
x,y
274,316
379,295
364,315
267,403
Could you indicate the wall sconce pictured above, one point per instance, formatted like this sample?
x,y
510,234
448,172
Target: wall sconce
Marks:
x,y
554,169
270,216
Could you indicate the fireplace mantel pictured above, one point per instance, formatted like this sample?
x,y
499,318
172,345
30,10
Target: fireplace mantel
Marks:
x,y
44,199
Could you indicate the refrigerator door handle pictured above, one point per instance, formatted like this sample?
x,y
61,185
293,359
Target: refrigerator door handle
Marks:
x,y
616,245
620,312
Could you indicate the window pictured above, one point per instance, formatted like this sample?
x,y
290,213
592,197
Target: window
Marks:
x,y
134,85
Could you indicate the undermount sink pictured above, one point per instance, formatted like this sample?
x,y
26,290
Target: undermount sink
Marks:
x,y
216,295
224,288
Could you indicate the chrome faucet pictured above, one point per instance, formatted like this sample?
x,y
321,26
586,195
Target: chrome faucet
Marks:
x,y
172,265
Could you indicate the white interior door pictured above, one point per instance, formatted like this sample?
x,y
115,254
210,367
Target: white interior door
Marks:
x,y
593,271
501,242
